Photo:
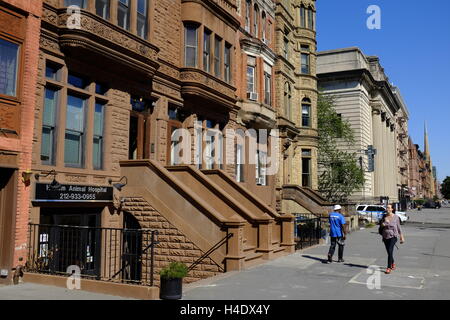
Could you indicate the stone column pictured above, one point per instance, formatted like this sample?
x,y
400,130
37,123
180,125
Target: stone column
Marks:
x,y
377,143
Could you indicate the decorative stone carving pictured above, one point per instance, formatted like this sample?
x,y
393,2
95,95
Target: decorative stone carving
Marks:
x,y
193,75
103,30
49,44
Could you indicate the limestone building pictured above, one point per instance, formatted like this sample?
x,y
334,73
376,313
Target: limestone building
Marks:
x,y
364,97
296,85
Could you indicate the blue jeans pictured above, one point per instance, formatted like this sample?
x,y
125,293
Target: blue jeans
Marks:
x,y
389,244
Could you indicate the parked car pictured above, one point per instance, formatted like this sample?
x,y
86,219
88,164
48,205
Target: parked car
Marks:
x,y
374,213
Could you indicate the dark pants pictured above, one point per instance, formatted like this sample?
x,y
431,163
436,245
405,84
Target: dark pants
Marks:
x,y
333,247
389,244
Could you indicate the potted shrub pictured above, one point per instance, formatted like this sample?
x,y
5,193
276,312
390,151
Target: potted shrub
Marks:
x,y
171,281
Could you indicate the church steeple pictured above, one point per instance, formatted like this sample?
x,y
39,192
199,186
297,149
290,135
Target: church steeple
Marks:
x,y
426,147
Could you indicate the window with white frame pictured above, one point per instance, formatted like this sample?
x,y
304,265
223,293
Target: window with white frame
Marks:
x,y
190,45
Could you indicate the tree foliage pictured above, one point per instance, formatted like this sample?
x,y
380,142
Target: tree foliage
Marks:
x,y
445,188
339,172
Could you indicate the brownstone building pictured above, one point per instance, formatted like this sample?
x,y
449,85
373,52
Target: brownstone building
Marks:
x,y
115,80
19,45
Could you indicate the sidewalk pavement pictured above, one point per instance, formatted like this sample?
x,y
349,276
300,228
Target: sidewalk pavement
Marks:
x,y
423,271
32,291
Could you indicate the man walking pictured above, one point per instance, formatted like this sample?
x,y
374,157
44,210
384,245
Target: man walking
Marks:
x,y
337,233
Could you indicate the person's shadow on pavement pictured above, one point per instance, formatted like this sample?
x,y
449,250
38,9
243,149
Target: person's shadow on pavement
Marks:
x,y
325,261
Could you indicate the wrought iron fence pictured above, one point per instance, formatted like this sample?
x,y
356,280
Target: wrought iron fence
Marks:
x,y
307,230
108,254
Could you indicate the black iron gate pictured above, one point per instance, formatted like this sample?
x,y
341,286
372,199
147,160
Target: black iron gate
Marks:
x,y
307,230
110,254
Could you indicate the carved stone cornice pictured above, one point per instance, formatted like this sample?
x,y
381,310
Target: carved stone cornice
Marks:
x,y
224,9
198,82
103,39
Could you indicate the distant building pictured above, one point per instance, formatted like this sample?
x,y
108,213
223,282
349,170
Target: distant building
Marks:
x,y
377,114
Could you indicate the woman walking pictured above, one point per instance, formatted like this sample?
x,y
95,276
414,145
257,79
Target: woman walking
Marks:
x,y
391,231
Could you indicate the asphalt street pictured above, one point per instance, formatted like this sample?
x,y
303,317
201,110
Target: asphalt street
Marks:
x,y
423,271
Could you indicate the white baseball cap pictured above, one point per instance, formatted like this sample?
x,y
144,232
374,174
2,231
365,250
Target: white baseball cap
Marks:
x,y
337,207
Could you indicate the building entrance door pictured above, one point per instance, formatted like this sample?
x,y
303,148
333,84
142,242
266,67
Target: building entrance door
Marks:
x,y
7,204
71,239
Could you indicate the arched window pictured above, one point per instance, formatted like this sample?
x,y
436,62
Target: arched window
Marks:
x,y
263,25
287,101
306,112
256,20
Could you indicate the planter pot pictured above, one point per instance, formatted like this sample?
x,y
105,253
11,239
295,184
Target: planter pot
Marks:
x,y
171,289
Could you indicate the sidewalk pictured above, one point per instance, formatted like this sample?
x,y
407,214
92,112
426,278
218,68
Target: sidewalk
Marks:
x,y
423,270
31,291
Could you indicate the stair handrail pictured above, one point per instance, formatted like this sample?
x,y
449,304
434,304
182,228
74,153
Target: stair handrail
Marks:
x,y
211,250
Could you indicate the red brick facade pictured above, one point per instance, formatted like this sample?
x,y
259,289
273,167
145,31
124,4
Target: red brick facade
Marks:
x,y
20,23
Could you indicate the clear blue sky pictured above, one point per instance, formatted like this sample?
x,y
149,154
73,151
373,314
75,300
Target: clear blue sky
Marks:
x,y
414,48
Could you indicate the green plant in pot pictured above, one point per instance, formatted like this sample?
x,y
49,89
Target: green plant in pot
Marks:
x,y
172,280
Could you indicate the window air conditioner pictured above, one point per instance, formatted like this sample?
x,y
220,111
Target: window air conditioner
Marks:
x,y
252,96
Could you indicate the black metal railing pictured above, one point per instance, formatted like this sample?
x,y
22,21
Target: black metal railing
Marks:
x,y
108,254
307,230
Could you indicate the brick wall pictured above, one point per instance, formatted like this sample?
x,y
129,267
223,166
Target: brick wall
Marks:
x,y
30,62
173,245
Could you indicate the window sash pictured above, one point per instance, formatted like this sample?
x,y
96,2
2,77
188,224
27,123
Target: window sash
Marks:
x,y
207,51
142,18
9,65
49,126
306,116
190,46
47,144
302,17
217,47
267,88
102,8
250,79
227,63
239,166
255,21
311,19
247,15
73,148
97,152
305,63
123,14
306,171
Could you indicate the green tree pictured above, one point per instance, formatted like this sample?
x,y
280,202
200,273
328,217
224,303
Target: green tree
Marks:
x,y
445,188
339,172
